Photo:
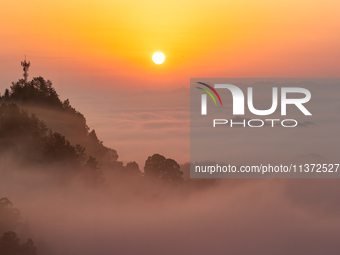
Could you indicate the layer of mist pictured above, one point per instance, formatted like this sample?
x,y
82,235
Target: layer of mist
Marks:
x,y
64,189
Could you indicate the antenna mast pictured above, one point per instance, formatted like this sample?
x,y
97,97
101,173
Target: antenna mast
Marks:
x,y
26,65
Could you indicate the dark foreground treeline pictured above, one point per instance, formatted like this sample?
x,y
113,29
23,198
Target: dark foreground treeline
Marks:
x,y
40,134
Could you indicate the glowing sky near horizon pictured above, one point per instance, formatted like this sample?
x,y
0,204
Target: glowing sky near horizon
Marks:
x,y
110,42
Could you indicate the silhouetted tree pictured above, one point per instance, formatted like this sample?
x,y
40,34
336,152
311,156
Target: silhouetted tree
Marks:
x,y
66,104
92,173
10,245
28,248
69,109
9,216
92,163
112,155
171,171
58,149
93,136
153,165
6,94
132,168
37,91
16,122
99,150
158,166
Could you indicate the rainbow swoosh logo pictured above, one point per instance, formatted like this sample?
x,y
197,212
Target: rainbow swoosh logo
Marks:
x,y
209,93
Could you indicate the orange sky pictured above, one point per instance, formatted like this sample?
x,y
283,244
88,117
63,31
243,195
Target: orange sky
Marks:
x,y
111,42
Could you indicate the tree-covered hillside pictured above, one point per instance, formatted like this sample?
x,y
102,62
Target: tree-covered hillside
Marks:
x,y
38,129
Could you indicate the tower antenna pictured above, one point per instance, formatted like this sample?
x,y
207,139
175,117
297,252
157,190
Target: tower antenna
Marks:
x,y
26,65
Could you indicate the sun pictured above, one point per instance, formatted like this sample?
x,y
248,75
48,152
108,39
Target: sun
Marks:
x,y
158,58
